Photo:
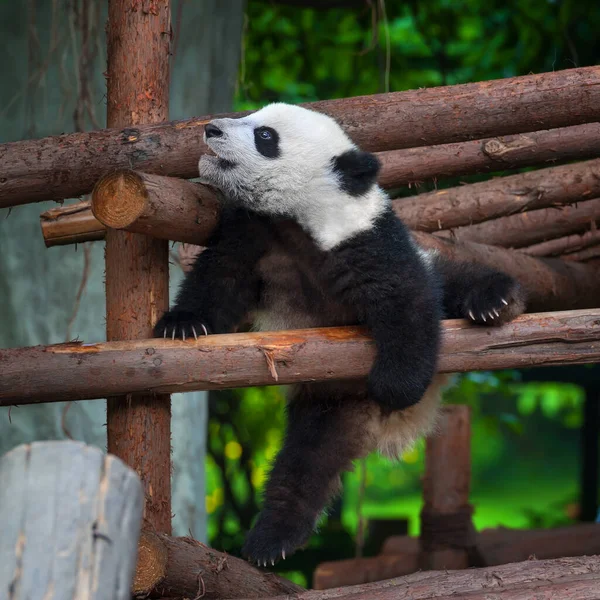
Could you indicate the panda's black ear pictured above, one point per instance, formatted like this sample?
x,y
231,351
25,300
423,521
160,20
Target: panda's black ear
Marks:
x,y
357,171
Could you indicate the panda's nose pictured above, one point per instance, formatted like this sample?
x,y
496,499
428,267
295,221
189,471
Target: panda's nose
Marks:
x,y
212,131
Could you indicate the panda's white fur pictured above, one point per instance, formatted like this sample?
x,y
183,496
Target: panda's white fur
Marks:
x,y
297,182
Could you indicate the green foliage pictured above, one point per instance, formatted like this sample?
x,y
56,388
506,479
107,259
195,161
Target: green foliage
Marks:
x,y
524,436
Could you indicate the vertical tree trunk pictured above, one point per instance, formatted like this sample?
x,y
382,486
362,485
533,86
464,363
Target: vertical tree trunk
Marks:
x,y
137,268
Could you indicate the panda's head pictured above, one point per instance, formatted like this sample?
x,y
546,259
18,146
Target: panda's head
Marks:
x,y
291,162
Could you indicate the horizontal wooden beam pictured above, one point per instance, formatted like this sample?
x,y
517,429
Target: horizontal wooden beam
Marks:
x,y
78,371
564,245
559,579
524,229
537,148
67,166
466,206
71,224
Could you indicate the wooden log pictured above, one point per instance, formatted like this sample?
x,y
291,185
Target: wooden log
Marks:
x,y
560,579
133,201
583,255
70,523
524,229
68,166
502,545
185,568
355,571
564,245
72,224
399,555
550,283
478,202
137,266
77,371
447,533
401,167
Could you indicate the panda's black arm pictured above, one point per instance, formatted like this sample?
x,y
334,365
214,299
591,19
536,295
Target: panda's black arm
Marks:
x,y
379,275
478,293
223,284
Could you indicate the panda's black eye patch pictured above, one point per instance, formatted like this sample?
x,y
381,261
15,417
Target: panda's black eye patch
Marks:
x,y
266,140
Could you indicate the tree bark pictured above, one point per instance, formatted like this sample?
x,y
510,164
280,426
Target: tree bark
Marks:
x,y
564,245
33,171
560,579
447,532
551,146
77,371
134,201
550,283
184,568
524,229
72,224
583,255
137,266
478,202
70,523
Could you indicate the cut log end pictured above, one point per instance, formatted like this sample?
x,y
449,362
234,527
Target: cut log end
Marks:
x,y
119,199
152,561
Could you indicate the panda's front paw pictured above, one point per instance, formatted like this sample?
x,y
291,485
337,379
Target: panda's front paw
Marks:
x,y
180,324
275,537
495,301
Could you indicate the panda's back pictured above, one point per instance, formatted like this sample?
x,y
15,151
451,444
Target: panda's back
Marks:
x,y
291,296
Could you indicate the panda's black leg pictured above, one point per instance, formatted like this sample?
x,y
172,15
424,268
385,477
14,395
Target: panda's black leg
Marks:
x,y
324,435
479,293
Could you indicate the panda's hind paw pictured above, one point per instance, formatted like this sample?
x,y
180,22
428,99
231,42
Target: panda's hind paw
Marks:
x,y
180,324
495,301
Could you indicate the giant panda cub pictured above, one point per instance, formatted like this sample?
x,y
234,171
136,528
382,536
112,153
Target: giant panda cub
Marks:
x,y
308,239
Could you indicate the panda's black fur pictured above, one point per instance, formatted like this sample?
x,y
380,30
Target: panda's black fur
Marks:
x,y
272,260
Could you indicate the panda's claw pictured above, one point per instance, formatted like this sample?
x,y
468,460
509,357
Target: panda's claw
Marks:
x,y
283,554
195,334
496,313
483,317
183,333
174,330
204,328
471,315
165,333
504,302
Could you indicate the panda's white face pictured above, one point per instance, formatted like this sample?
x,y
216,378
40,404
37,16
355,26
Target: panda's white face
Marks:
x,y
288,161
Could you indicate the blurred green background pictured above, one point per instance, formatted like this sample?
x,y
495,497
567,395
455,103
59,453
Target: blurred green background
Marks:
x,y
525,436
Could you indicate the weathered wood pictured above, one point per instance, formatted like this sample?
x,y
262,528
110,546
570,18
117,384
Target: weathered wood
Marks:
x,y
134,201
560,579
77,371
564,245
401,167
524,229
550,283
583,255
184,568
70,523
137,266
68,166
72,224
503,545
399,555
355,571
478,202
446,529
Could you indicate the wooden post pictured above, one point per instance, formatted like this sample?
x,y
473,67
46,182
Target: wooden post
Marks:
x,y
70,523
137,268
446,529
